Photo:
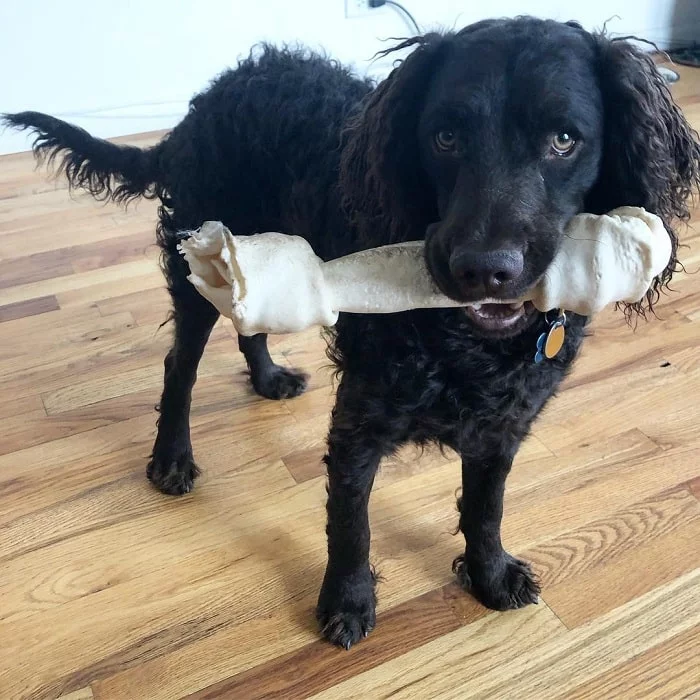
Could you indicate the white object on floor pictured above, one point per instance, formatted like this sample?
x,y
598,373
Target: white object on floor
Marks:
x,y
275,283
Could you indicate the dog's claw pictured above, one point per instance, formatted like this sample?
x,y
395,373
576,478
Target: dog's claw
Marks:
x,y
346,607
172,476
346,629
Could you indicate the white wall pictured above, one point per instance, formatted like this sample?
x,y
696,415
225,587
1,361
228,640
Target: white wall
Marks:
x,y
128,66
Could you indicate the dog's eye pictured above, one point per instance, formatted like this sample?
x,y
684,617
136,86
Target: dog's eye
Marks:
x,y
563,143
445,140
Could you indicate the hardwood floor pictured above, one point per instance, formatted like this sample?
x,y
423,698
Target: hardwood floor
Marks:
x,y
111,590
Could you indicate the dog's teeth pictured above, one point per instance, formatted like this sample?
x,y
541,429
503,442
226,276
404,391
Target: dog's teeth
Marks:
x,y
516,306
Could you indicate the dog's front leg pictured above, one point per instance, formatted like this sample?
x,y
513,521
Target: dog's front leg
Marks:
x,y
497,579
356,444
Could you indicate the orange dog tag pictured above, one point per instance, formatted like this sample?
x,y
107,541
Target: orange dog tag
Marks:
x,y
551,342
555,341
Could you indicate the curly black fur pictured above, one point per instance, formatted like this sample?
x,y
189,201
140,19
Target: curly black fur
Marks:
x,y
291,141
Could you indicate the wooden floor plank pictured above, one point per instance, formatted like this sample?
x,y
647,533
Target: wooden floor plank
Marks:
x,y
147,306
67,223
79,281
10,407
78,258
28,307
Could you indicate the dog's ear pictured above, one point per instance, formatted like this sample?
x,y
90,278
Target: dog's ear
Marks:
x,y
384,189
651,155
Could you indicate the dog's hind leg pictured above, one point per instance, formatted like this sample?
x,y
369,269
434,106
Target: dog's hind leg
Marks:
x,y
268,379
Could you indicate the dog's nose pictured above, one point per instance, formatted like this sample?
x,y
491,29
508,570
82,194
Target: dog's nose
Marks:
x,y
487,272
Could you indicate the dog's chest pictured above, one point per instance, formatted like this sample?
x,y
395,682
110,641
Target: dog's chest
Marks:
x,y
477,387
462,399
429,377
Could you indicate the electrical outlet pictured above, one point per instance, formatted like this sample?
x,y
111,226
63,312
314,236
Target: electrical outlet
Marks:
x,y
357,8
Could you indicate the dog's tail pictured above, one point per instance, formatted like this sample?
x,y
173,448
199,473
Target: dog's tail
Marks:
x,y
107,171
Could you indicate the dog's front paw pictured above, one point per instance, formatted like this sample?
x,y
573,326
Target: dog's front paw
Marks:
x,y
279,383
501,583
346,608
172,475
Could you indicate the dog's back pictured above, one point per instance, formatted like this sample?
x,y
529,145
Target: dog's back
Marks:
x,y
259,149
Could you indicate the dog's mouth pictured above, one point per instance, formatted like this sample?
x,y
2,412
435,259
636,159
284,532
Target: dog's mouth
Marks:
x,y
500,319
490,317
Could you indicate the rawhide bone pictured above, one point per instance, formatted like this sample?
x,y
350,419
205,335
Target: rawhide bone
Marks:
x,y
275,283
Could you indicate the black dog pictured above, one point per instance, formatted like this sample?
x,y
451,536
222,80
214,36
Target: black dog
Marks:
x,y
484,142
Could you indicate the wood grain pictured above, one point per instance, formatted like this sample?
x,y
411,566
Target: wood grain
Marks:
x,y
81,694
583,597
584,552
114,591
667,670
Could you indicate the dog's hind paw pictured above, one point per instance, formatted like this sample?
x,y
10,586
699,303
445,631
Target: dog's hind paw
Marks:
x,y
172,476
278,382
504,584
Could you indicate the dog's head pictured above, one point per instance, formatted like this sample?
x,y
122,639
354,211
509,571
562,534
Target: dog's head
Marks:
x,y
486,142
